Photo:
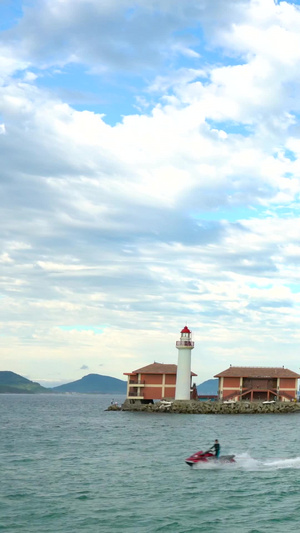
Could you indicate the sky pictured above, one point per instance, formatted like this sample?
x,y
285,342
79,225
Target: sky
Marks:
x,y
150,178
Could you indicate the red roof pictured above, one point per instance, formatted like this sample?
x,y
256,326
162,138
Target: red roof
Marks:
x,y
257,372
156,368
185,330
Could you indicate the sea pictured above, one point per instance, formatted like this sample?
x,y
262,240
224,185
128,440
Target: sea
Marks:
x,y
68,465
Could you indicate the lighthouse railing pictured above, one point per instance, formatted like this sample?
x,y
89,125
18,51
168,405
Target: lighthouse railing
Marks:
x,y
185,343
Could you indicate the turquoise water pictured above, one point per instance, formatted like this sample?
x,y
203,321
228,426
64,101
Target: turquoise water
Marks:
x,y
69,466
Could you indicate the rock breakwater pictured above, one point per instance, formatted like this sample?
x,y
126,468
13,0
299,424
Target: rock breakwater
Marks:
x,y
114,407
213,408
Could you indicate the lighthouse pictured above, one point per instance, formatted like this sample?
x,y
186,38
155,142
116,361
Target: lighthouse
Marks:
x,y
183,380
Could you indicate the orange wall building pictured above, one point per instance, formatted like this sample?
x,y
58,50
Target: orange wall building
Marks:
x,y
152,382
258,383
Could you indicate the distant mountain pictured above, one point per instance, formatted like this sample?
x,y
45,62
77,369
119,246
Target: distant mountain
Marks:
x,y
94,383
13,383
209,387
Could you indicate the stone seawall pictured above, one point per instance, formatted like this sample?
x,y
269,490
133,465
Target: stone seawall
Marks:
x,y
213,408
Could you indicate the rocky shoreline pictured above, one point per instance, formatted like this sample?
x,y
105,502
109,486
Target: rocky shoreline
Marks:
x,y
206,408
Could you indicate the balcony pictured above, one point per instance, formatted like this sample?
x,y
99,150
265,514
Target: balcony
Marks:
x,y
135,393
185,344
137,382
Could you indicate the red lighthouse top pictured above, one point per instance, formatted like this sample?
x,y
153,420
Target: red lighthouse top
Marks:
x,y
185,330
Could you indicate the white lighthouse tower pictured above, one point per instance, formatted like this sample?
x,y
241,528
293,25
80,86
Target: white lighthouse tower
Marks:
x,y
183,380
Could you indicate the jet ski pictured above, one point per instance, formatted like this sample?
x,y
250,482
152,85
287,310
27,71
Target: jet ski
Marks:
x,y
208,457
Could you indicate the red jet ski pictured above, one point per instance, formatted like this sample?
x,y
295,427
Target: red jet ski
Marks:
x,y
208,457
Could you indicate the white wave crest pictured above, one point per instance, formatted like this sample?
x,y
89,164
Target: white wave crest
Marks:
x,y
246,462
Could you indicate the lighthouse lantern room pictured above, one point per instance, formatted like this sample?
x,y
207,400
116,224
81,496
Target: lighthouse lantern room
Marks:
x,y
183,380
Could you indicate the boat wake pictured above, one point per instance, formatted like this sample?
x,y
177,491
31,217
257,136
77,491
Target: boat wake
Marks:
x,y
246,462
249,463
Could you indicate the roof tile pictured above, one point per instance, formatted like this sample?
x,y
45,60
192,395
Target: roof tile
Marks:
x,y
158,368
257,372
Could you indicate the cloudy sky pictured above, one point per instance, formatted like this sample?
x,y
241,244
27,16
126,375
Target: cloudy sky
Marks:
x,y
150,178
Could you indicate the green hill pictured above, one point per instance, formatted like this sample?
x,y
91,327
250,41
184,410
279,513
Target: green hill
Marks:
x,y
94,383
13,383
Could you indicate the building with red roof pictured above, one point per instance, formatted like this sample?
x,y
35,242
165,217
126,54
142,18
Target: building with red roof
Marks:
x,y
258,383
156,381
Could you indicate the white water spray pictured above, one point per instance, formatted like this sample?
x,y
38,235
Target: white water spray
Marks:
x,y
246,462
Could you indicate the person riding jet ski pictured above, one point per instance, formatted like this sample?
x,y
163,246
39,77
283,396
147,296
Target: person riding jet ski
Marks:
x,y
209,456
217,448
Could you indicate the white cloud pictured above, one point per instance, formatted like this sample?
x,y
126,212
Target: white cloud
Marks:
x,y
134,225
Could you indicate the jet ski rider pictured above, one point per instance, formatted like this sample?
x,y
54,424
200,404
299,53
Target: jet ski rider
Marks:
x,y
217,448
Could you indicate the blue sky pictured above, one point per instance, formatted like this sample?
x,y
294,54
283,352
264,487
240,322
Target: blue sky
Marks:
x,y
150,178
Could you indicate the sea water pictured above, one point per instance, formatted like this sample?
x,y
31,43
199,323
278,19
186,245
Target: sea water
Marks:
x,y
67,465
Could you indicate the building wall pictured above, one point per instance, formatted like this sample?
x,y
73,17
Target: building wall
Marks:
x,y
154,379
170,379
153,393
170,392
233,383
288,383
289,386
228,386
227,392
